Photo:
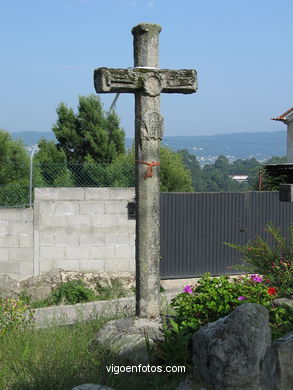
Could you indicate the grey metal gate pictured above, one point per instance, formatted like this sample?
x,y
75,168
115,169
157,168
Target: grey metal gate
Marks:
x,y
194,227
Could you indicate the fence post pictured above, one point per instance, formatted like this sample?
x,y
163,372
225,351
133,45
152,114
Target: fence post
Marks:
x,y
31,173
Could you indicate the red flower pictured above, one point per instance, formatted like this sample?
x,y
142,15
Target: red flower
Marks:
x,y
272,291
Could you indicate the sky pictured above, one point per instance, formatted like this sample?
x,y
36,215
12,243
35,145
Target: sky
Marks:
x,y
241,50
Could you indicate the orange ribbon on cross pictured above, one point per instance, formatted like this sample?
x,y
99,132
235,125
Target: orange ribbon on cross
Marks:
x,y
149,172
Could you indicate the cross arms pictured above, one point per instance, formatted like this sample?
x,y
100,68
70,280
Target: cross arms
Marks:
x,y
151,81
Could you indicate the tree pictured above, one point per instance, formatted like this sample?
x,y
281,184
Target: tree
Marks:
x,y
50,164
122,171
277,160
217,177
14,159
90,133
190,161
175,177
14,171
222,163
49,153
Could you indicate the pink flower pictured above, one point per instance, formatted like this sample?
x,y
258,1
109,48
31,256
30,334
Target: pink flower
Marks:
x,y
256,278
241,298
187,289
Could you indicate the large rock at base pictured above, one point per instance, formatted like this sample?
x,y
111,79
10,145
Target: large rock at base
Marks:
x,y
278,365
228,354
8,286
284,303
91,386
126,337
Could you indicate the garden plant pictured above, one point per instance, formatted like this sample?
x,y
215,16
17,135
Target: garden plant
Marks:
x,y
274,260
271,276
212,299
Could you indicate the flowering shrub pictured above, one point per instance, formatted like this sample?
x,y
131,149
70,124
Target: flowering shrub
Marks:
x,y
14,314
214,298
272,291
273,262
188,289
256,278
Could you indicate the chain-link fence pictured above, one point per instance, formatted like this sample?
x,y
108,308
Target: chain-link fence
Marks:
x,y
19,192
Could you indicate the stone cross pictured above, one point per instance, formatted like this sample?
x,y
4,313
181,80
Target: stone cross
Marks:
x,y
146,81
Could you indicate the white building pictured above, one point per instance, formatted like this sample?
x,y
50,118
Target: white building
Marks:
x,y
287,118
239,178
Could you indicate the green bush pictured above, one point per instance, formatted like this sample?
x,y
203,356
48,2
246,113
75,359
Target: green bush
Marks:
x,y
75,291
217,297
274,262
72,292
14,314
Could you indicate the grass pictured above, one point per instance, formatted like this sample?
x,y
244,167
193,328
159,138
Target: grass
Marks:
x,y
58,296
75,291
61,357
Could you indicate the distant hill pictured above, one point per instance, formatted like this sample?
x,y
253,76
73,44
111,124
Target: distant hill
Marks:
x,y
261,145
30,138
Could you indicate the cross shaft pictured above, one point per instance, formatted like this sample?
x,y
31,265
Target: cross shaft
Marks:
x,y
146,81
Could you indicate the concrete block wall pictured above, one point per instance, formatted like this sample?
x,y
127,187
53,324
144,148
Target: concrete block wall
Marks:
x,y
79,229
16,242
83,229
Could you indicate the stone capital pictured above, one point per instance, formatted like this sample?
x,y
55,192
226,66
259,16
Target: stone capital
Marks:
x,y
146,28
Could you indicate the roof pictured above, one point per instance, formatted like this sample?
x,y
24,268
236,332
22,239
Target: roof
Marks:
x,y
286,117
238,176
